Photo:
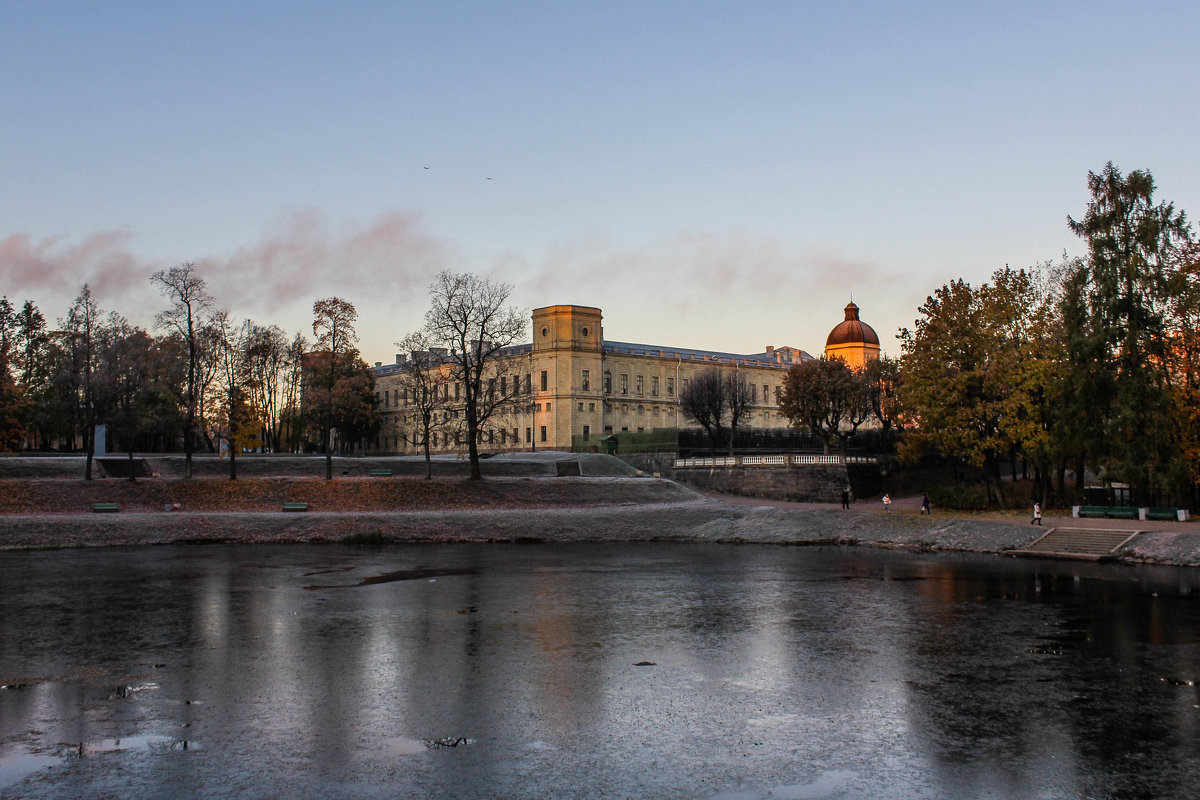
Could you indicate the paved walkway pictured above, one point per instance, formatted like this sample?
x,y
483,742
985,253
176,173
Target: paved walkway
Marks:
x,y
912,506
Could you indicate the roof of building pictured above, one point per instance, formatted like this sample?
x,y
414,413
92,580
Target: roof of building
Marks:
x,y
772,357
852,330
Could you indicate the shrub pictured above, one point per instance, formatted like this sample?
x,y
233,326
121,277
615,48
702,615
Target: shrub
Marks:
x,y
963,497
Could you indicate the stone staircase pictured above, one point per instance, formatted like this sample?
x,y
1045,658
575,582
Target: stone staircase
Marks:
x,y
1085,543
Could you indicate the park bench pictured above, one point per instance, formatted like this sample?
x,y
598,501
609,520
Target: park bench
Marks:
x,y
99,507
1122,512
1109,512
381,473
1163,513
295,506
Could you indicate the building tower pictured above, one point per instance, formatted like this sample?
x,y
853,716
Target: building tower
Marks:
x,y
567,361
853,340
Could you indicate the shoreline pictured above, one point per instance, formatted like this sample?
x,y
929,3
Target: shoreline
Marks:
x,y
700,519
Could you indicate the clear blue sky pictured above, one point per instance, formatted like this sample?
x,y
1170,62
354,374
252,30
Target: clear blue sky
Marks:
x,y
712,175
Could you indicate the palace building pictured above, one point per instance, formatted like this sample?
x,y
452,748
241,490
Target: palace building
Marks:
x,y
570,386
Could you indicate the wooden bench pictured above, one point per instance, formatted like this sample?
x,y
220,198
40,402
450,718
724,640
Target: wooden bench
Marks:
x,y
1163,513
1093,511
104,507
295,506
1122,512
381,473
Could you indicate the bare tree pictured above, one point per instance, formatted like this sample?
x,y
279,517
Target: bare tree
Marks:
x,y
704,401
233,380
424,382
333,325
291,418
469,316
267,361
737,400
190,300
83,323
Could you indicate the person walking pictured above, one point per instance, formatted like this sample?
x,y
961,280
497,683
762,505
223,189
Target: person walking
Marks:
x,y
887,501
925,504
846,498
1037,514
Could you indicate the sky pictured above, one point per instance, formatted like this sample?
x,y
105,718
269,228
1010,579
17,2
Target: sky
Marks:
x,y
713,175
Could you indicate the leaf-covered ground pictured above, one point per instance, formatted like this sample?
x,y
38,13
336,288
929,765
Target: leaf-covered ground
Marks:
x,y
55,496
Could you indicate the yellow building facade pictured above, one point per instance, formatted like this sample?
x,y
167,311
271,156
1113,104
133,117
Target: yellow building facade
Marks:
x,y
570,387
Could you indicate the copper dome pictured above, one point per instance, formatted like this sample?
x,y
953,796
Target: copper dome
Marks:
x,y
852,330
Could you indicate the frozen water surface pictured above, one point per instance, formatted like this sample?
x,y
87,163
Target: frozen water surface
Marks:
x,y
593,671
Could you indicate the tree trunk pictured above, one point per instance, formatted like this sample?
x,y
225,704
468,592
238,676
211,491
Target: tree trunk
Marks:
x,y
328,454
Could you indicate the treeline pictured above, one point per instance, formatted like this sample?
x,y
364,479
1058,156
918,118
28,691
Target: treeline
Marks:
x,y
1089,367
198,381
1086,370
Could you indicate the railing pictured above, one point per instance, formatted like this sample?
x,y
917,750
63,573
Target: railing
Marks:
x,y
798,460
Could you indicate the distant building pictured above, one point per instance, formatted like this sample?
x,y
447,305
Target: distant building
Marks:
x,y
570,386
853,340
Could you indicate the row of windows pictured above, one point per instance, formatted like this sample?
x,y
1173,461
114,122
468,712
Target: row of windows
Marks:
x,y
639,386
456,438
401,395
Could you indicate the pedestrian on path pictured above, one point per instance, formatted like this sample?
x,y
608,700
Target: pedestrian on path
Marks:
x,y
846,498
1037,514
925,504
887,501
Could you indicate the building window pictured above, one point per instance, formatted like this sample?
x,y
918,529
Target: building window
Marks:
x,y
586,430
654,386
528,383
528,435
684,385
591,406
607,382
581,406
624,383
766,394
608,430
640,385
504,386
670,387
654,411
586,381
456,388
543,434
547,406
754,393
641,409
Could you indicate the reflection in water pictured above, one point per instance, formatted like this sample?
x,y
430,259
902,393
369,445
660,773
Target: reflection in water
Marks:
x,y
798,672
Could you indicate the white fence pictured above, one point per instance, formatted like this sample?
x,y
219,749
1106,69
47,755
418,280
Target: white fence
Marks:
x,y
798,460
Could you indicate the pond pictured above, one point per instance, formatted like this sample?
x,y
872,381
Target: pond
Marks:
x,y
632,670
